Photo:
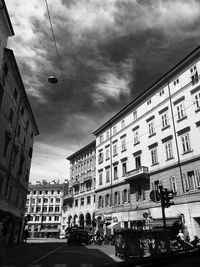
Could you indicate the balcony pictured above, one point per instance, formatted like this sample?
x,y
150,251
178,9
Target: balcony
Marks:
x,y
88,179
141,172
75,182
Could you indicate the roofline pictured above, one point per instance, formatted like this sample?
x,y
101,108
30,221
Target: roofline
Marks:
x,y
10,52
82,149
160,80
8,18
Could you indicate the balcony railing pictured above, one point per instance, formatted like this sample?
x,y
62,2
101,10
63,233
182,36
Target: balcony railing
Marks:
x,y
140,172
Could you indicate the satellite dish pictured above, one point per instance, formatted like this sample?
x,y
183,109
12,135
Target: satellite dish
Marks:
x,y
52,79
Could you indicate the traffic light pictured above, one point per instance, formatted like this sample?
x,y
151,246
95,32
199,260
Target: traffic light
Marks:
x,y
168,196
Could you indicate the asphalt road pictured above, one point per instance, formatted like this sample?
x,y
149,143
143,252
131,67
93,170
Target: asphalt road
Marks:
x,y
56,253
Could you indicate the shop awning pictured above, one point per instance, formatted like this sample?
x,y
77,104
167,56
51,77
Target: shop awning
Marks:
x,y
113,225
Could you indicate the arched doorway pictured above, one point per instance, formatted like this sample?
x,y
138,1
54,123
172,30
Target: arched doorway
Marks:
x,y
81,221
88,220
75,220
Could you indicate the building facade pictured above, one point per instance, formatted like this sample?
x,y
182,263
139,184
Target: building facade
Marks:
x,y
79,203
6,31
44,205
153,141
17,131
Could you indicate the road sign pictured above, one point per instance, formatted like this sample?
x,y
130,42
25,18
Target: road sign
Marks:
x,y
154,195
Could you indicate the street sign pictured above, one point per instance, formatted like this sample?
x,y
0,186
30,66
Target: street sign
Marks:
x,y
154,195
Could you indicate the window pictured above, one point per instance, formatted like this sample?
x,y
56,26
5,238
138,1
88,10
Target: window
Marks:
x,y
107,175
82,201
46,192
168,150
44,209
56,218
151,127
40,192
140,193
137,162
124,169
136,136
115,173
123,143
88,200
100,157
117,198
76,202
114,149
197,178
135,115
49,218
37,218
38,209
162,92
107,153
197,101
57,208
100,139
180,111
107,198
148,102
156,185
114,129
191,180
58,192
122,124
34,192
39,200
176,82
45,200
165,121
52,192
11,115
173,184
154,156
185,143
194,75
100,178
125,196
100,203
57,200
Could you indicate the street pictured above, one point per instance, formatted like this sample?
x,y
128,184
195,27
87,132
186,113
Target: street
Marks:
x,y
56,253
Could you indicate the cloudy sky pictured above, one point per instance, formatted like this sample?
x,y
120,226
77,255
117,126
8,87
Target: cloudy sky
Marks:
x,y
110,51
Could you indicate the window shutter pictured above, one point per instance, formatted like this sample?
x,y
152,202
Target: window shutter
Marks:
x,y
197,178
123,196
102,201
185,183
143,193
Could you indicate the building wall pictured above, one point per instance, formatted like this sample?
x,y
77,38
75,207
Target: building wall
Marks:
x,y
81,187
171,107
44,205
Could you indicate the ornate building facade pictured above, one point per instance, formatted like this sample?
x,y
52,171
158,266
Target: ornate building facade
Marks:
x,y
153,141
79,203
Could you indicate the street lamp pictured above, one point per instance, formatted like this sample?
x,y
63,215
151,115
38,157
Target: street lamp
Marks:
x,y
52,79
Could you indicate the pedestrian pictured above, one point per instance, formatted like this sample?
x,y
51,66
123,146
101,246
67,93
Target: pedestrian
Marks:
x,y
181,238
25,235
195,242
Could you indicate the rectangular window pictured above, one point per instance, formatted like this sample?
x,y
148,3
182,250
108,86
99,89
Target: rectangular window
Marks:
x,y
57,208
194,75
88,200
173,184
151,127
100,178
37,218
154,156
76,202
50,209
100,139
124,169
168,150
115,172
114,129
136,136
56,218
107,153
100,157
82,201
114,149
123,144
180,111
186,143
122,124
137,162
197,101
107,134
44,218
107,175
135,115
49,218
165,121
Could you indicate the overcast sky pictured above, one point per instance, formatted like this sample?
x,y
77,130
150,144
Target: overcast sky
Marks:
x,y
110,51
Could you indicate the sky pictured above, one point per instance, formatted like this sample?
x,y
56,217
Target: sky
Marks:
x,y
110,51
